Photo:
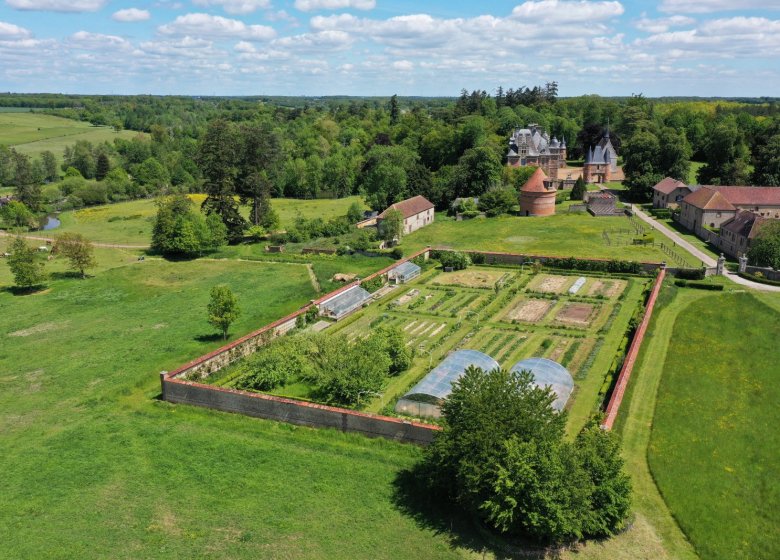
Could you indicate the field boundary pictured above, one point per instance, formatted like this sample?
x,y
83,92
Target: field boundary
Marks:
x,y
182,386
628,364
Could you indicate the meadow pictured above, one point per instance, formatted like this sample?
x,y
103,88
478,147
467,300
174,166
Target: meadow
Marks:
x,y
714,447
97,466
131,222
564,234
33,133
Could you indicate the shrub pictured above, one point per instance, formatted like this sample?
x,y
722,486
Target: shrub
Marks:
x,y
690,273
454,260
397,253
699,285
373,284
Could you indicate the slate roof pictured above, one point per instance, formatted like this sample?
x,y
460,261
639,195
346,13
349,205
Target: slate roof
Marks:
x,y
409,207
745,224
535,182
707,198
668,186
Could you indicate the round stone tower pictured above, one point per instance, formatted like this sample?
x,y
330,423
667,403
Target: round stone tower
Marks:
x,y
535,198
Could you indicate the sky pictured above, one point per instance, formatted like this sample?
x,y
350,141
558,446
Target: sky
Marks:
x,y
382,47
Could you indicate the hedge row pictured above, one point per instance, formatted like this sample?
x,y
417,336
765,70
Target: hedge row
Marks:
x,y
690,274
699,285
754,278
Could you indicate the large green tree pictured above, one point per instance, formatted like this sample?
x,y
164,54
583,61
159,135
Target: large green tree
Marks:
x,y
765,248
180,230
727,155
26,267
641,154
78,250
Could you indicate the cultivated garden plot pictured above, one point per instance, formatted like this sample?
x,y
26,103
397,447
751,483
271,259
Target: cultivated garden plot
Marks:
x,y
505,313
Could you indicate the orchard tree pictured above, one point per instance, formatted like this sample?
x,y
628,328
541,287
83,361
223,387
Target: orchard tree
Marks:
x,y
392,225
77,249
25,266
223,309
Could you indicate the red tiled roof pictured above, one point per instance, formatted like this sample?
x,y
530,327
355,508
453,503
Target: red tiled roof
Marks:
x,y
668,185
745,224
750,196
409,207
707,198
535,182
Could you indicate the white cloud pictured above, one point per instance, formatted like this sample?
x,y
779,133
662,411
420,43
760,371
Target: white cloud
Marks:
x,y
57,5
563,11
97,41
313,5
322,41
403,65
205,25
131,15
662,24
235,6
709,6
737,37
11,31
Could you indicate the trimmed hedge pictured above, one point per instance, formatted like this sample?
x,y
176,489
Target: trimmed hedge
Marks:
x,y
699,285
754,278
571,263
690,274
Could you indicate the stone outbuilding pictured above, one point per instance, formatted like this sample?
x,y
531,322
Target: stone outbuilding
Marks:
x,y
536,198
417,212
669,192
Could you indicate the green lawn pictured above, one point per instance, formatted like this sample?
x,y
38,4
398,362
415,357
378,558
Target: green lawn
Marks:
x,y
694,169
33,133
564,234
131,222
95,466
714,444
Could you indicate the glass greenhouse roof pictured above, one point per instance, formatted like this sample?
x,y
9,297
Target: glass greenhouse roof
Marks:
x,y
548,373
438,383
405,270
346,301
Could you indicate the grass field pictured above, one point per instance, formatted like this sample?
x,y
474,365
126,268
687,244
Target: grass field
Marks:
x,y
714,446
131,222
694,169
33,133
95,466
564,234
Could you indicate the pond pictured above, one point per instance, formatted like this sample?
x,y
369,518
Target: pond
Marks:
x,y
50,222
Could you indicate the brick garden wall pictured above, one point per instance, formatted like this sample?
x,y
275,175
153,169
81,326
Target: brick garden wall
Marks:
x,y
633,351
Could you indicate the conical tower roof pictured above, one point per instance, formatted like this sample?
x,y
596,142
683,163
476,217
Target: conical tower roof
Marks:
x,y
535,183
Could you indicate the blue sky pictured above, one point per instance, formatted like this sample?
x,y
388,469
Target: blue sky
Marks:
x,y
380,47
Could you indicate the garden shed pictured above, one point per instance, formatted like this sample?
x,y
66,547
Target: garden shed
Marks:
x,y
425,398
344,303
548,373
404,272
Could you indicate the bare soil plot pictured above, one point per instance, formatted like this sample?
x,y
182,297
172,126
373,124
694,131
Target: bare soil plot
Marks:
x,y
529,310
551,283
607,288
407,297
470,278
578,314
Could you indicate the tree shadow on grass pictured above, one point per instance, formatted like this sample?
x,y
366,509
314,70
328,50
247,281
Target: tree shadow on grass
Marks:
x,y
212,337
413,499
16,291
68,275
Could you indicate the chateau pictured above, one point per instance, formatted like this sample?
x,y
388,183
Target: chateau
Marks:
x,y
532,146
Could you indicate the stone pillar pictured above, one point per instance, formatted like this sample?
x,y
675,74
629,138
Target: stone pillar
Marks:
x,y
721,265
743,263
163,375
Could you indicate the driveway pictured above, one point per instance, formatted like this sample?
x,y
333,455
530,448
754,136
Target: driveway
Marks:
x,y
696,252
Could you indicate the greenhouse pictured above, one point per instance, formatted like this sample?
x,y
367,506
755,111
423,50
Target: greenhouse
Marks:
x,y
425,398
343,304
404,272
548,373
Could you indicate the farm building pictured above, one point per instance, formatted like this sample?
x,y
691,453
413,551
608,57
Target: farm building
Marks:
x,y
669,192
425,398
548,373
344,303
602,203
417,212
404,272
